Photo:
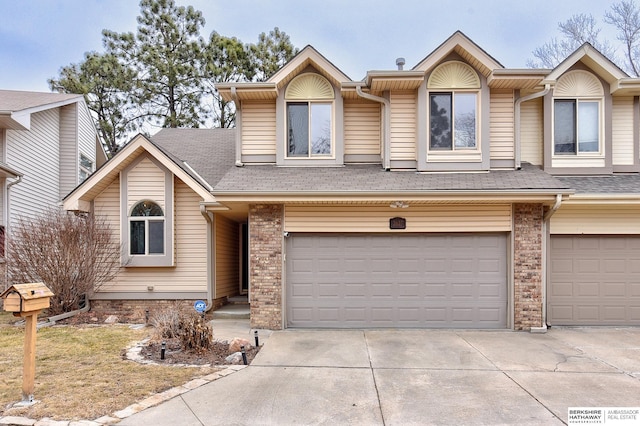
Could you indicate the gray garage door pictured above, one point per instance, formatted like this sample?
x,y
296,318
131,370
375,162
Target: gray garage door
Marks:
x,y
427,280
594,280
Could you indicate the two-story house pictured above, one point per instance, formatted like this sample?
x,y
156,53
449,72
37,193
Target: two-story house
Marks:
x,y
456,194
48,145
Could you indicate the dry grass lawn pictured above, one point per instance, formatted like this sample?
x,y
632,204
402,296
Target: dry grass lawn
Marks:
x,y
80,371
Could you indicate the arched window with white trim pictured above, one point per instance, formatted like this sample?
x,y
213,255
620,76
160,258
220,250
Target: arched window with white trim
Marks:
x,y
453,107
146,229
577,111
309,105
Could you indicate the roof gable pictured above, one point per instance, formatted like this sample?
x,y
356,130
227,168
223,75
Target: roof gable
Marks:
x,y
80,198
467,49
305,58
593,59
16,106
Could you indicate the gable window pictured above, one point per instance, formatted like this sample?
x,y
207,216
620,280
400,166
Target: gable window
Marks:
x,y
86,167
577,101
453,120
309,114
454,92
146,227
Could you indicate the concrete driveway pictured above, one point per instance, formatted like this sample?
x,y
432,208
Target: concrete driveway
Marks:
x,y
404,377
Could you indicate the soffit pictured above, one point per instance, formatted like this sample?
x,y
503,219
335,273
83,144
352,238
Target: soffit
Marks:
x,y
459,43
517,78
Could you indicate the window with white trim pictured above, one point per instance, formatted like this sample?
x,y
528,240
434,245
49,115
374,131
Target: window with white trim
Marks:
x,y
577,114
454,92
86,168
146,229
309,114
453,120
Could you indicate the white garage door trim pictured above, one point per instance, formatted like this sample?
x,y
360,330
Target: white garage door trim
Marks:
x,y
401,280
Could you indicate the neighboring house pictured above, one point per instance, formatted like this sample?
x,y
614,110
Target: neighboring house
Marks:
x,y
48,145
457,194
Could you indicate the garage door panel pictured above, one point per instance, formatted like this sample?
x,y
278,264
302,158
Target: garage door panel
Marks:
x,y
594,280
397,281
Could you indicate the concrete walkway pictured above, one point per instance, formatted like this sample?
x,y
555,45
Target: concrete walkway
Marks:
x,y
404,377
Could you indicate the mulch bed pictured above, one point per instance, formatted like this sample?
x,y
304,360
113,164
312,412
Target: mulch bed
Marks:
x,y
174,354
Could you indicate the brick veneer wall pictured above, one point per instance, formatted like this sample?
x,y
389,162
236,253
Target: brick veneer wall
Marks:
x,y
134,310
527,265
266,226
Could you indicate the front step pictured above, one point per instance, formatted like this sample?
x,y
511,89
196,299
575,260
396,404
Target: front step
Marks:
x,y
238,300
238,308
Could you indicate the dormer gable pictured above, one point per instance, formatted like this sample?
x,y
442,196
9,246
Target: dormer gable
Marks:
x,y
305,58
592,59
462,45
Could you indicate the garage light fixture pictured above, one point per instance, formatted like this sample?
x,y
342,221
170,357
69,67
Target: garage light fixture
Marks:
x,y
398,205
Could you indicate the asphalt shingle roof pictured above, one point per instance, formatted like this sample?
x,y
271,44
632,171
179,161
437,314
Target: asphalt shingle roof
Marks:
x,y
210,152
616,184
15,100
372,178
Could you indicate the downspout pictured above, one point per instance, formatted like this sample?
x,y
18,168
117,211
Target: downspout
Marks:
x,y
209,219
386,131
516,124
545,233
234,97
7,209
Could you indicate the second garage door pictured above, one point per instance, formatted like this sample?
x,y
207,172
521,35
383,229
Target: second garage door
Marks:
x,y
595,280
409,280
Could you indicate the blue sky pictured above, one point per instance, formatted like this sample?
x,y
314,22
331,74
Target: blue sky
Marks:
x,y
37,37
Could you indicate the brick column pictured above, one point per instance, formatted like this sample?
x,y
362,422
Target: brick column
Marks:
x,y
265,274
527,265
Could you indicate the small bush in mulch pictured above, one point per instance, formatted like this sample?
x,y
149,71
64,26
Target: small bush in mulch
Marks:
x,y
188,337
174,353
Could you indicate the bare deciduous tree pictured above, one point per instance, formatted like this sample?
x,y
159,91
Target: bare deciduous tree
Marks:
x,y
72,255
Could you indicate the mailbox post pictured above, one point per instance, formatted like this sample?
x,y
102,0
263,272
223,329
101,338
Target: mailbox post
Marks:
x,y
27,301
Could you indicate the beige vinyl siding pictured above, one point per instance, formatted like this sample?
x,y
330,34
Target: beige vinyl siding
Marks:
x,y
69,155
501,125
531,131
403,125
145,182
622,130
190,271
581,161
35,153
227,257
258,128
596,219
361,128
440,218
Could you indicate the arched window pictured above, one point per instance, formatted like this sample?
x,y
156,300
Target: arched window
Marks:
x,y
309,99
577,112
453,107
146,227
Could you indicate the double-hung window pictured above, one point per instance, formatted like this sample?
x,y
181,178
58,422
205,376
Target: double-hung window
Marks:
x,y
453,120
577,114
146,227
309,101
